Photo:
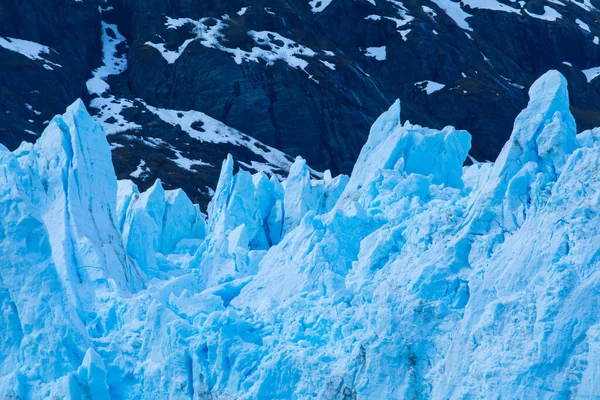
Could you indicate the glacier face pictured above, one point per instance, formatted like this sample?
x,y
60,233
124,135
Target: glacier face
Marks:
x,y
415,277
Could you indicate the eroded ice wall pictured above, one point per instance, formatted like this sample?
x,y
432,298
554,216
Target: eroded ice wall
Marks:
x,y
416,277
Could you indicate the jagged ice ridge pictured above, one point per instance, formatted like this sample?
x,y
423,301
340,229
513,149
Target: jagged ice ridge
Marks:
x,y
415,277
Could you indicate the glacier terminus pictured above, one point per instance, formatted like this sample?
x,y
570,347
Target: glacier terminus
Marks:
x,y
416,277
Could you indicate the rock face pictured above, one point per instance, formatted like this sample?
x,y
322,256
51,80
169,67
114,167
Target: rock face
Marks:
x,y
34,88
476,281
179,84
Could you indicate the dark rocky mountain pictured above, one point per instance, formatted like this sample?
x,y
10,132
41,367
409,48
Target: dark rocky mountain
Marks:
x,y
178,84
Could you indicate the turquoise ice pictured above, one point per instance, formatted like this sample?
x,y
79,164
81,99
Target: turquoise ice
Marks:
x,y
415,277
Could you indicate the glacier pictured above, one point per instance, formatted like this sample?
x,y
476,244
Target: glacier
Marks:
x,y
414,277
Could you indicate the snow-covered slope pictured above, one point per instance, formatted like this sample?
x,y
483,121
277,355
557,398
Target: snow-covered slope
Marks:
x,y
415,277
179,84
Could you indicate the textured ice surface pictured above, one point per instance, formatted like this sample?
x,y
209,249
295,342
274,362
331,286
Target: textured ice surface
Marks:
x,y
415,277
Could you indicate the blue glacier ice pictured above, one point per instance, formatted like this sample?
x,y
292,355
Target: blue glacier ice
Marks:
x,y
154,222
415,277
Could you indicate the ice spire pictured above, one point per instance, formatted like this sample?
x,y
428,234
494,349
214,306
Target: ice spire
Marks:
x,y
75,170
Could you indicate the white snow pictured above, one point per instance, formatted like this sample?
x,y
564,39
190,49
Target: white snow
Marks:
x,y
405,33
30,108
182,161
583,25
550,14
289,51
513,83
401,17
378,53
591,73
429,11
429,86
455,12
187,163
109,107
113,63
140,170
585,4
209,33
455,9
319,5
109,114
329,65
31,50
490,5
214,131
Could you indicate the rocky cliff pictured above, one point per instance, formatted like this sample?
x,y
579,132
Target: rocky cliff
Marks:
x,y
179,84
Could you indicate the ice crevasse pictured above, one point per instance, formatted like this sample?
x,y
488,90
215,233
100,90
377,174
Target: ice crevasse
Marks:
x,y
415,277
